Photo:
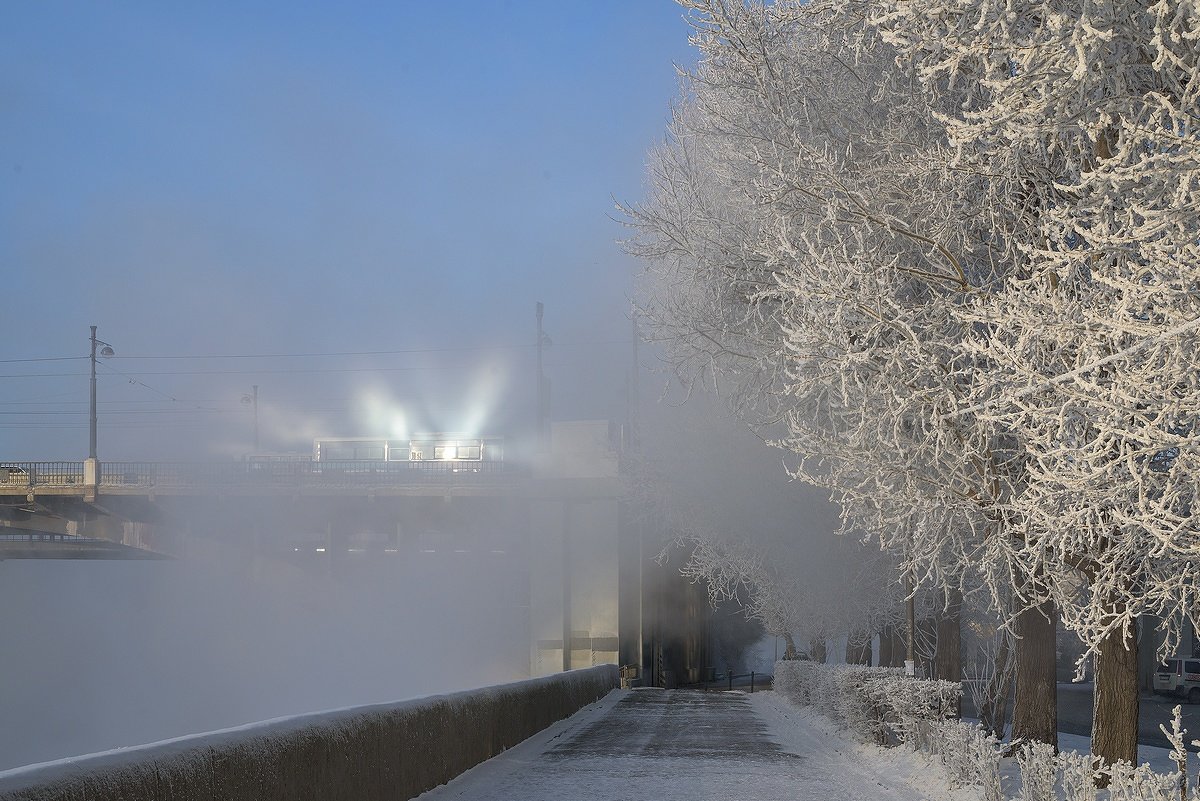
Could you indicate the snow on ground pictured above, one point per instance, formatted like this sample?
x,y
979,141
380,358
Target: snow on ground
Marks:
x,y
851,769
691,745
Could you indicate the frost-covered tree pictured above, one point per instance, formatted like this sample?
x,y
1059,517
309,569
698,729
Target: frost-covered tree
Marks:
x,y
1089,110
810,243
800,591
952,245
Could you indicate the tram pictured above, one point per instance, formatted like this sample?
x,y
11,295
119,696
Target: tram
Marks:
x,y
419,448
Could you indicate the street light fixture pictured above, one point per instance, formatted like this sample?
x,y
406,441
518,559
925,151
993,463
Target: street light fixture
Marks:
x,y
106,350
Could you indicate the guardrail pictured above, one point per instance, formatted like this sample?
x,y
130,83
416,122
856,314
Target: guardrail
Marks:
x,y
717,681
260,473
186,474
25,474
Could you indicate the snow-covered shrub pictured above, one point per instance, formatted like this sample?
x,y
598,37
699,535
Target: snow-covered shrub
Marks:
x,y
1077,772
970,755
1039,769
1127,783
860,701
1076,776
885,706
810,684
878,704
913,703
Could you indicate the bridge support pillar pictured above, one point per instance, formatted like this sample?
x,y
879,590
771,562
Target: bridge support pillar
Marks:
x,y
574,585
91,477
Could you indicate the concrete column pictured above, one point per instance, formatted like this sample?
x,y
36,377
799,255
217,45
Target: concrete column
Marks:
x,y
91,472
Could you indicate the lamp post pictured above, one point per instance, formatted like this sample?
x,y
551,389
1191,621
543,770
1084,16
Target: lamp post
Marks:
x,y
106,350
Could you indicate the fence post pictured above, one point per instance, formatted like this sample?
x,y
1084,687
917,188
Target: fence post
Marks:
x,y
752,682
731,678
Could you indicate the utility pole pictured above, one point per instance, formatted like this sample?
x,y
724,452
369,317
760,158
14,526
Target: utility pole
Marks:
x,y
92,421
543,386
106,350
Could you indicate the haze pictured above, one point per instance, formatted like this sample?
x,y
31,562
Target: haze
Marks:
x,y
355,212
233,180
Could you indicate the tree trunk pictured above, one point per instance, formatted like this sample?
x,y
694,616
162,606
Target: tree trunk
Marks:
x,y
948,661
789,651
885,646
947,664
925,645
1035,708
816,650
858,649
1115,706
892,647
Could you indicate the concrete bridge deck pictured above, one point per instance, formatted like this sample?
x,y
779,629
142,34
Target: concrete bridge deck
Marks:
x,y
685,744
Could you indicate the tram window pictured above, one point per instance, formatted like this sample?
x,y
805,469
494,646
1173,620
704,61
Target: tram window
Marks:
x,y
372,452
468,451
445,452
337,452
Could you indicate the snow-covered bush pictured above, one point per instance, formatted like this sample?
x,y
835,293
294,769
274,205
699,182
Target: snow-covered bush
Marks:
x,y
1127,783
883,705
878,704
1077,773
1076,777
1039,770
969,754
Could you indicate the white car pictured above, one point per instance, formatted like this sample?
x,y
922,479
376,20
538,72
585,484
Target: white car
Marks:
x,y
1179,677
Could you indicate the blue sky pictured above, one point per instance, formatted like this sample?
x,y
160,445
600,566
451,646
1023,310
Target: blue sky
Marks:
x,y
274,178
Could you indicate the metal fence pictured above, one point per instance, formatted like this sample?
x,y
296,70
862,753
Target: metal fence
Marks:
x,y
30,474
729,680
299,473
295,473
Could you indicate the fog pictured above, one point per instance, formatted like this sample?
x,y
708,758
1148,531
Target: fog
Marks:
x,y
352,215
103,654
354,212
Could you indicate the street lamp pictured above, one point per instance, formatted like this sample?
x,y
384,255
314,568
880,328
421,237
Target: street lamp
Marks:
x,y
107,350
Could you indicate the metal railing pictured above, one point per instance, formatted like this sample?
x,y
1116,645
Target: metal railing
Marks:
x,y
295,473
298,473
726,681
32,474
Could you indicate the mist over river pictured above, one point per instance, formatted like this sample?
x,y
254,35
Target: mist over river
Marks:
x,y
105,654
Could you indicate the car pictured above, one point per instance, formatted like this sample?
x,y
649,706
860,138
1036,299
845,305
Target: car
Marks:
x,y
12,474
1179,677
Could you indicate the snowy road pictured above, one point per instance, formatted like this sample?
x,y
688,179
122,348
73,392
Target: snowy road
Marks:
x,y
691,745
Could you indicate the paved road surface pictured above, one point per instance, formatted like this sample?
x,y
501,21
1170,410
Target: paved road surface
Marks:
x,y
1075,714
683,744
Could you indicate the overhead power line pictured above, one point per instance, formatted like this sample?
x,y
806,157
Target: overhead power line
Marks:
x,y
326,354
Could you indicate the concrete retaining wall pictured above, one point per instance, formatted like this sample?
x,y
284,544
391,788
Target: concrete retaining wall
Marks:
x,y
386,751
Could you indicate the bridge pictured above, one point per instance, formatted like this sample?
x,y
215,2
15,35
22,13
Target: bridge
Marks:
x,y
564,521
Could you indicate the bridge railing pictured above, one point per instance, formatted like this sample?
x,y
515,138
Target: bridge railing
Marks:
x,y
298,473
41,473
